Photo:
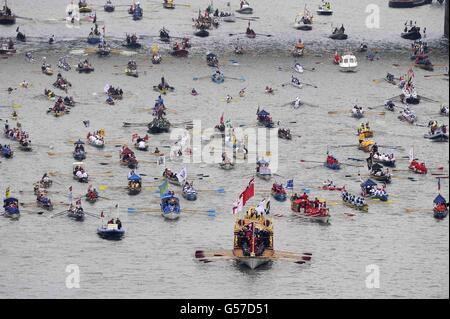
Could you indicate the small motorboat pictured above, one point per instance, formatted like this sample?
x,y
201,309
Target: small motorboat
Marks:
x,y
324,9
113,230
348,63
84,67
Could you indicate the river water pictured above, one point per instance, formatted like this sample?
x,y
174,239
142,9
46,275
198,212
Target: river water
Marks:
x,y
156,257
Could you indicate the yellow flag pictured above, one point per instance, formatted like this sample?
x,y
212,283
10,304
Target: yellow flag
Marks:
x,y
8,193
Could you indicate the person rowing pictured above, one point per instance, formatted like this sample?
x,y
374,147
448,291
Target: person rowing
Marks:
x,y
269,90
295,81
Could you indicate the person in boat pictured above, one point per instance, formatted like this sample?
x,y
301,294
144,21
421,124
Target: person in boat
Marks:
x,y
295,80
269,90
194,92
242,93
228,98
244,4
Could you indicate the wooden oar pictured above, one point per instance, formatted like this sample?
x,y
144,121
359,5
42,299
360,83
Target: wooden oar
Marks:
x,y
201,77
232,34
239,79
264,35
432,75
127,124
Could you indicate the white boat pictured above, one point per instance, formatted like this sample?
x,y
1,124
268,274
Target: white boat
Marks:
x,y
298,68
324,10
348,63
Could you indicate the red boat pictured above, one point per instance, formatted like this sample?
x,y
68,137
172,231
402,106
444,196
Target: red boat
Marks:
x,y
278,192
91,195
332,188
418,168
313,210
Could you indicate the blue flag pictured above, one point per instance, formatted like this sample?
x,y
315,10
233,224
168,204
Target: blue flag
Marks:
x,y
290,184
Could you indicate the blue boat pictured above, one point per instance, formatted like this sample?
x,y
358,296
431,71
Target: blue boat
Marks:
x,y
76,213
94,39
137,14
264,118
134,184
332,163
6,151
11,206
218,77
111,231
189,193
440,210
79,154
170,206
278,192
369,189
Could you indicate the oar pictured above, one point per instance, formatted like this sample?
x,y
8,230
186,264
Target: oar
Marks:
x,y
126,124
92,215
201,77
428,99
239,79
232,34
58,214
432,75
306,161
309,84
264,35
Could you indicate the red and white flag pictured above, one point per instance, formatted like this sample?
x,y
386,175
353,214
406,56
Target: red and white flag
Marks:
x,y
237,206
221,119
249,192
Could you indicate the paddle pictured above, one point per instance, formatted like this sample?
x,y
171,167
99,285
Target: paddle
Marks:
x,y
239,79
232,34
58,214
264,35
202,77
432,75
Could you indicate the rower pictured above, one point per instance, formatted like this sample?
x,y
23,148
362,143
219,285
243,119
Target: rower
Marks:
x,y
229,98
